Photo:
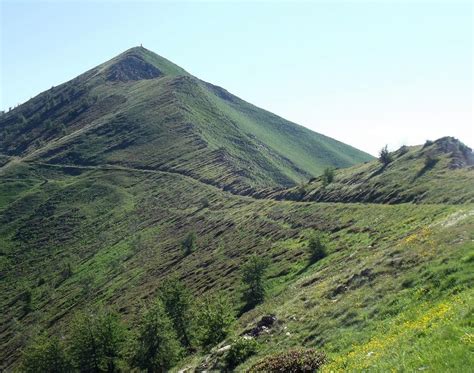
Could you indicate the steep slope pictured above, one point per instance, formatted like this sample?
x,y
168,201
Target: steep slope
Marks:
x,y
102,177
139,110
437,172
77,236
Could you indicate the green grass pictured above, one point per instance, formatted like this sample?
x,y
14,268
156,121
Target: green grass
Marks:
x,y
121,231
406,179
108,173
173,121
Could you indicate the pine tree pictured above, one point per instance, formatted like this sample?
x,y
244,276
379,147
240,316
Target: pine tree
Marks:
x,y
45,354
178,304
96,341
156,347
252,277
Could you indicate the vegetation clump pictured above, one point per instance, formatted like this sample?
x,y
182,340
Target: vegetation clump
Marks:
x,y
157,347
178,305
189,243
384,156
328,176
252,277
96,342
45,354
293,361
215,317
317,247
240,350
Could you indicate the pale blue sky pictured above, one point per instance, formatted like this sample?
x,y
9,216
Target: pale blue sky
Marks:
x,y
368,73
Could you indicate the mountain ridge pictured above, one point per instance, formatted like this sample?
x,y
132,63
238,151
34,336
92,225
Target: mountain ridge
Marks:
x,y
140,110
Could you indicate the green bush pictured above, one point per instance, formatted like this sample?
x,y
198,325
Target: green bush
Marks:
x,y
156,345
328,176
189,243
214,319
178,304
384,156
96,341
293,361
252,277
45,354
317,247
240,350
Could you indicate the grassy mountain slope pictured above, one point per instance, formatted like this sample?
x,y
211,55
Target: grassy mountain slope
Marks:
x,y
102,177
438,172
394,273
139,110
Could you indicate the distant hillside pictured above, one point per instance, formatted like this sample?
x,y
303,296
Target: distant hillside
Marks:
x,y
140,110
437,172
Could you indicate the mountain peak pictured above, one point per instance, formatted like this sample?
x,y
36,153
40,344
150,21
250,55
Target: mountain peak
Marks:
x,y
139,63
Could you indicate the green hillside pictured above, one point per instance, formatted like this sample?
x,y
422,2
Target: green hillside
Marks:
x,y
437,172
139,110
405,270
104,179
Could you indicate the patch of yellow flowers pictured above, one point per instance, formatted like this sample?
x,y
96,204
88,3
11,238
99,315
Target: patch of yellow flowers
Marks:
x,y
362,357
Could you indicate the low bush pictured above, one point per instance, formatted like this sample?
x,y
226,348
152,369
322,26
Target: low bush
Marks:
x,y
293,361
317,247
328,176
240,351
189,243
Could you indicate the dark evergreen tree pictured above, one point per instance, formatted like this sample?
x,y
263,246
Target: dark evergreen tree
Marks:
x,y
97,341
156,347
45,354
178,304
252,277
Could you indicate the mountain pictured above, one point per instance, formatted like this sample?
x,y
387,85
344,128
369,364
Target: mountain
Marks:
x,y
104,177
419,174
139,110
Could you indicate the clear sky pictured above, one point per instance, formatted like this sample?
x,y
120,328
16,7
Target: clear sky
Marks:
x,y
368,73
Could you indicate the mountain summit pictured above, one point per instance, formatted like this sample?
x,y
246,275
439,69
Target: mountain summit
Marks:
x,y
140,110
139,63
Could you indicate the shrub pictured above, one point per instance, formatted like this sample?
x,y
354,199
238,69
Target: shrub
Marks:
x,y
45,354
384,156
328,176
214,317
240,350
204,202
178,304
293,361
156,346
317,247
252,277
96,341
189,243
